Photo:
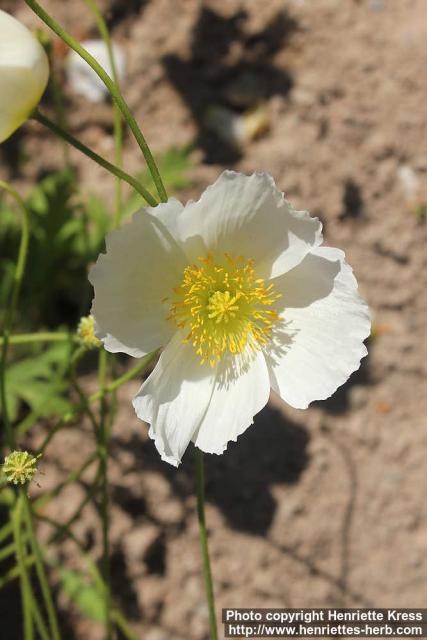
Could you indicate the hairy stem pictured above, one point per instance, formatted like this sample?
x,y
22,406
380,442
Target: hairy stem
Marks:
x,y
103,451
200,488
40,569
26,593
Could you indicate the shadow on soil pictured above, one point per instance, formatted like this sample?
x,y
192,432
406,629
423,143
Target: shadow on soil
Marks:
x,y
228,70
272,451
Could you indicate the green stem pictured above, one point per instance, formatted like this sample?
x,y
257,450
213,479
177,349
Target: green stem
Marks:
x,y
43,336
123,625
129,375
112,88
26,594
11,310
116,614
200,486
119,173
38,619
110,388
6,531
77,356
118,125
73,476
15,572
118,146
7,551
77,513
41,573
103,450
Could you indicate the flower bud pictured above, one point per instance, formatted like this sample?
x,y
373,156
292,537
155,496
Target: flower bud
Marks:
x,y
24,72
20,466
86,332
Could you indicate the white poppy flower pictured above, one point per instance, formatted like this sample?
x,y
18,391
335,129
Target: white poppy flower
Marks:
x,y
24,72
242,297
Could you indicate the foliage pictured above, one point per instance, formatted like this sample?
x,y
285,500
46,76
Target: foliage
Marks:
x,y
38,381
87,597
63,242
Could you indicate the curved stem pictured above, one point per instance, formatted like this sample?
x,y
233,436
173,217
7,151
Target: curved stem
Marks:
x,y
200,487
41,573
119,173
118,127
112,88
11,311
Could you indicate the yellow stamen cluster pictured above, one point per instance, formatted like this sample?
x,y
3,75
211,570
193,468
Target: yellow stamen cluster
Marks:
x,y
20,466
224,307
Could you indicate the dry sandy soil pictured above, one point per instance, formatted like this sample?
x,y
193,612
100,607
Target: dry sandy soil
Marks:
x,y
324,507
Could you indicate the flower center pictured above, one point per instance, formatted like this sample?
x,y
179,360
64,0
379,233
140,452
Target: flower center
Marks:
x,y
224,307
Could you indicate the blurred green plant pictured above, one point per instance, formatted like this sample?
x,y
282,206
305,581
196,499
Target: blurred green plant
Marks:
x,y
62,243
39,381
85,594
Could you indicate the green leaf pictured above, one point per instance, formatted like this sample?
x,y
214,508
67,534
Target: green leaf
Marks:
x,y
64,239
35,381
84,594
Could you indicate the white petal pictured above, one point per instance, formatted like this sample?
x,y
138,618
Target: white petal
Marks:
x,y
174,399
24,72
141,267
324,324
248,216
241,390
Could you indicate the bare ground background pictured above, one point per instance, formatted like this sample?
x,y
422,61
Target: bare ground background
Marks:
x,y
318,508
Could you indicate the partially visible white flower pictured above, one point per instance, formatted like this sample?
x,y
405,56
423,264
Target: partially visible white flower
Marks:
x,y
242,297
24,72
83,78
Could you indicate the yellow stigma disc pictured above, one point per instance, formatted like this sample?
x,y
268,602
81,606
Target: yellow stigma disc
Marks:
x,y
224,307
